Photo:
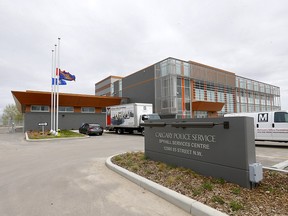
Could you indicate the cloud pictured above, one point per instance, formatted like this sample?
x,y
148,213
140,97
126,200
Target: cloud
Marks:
x,y
102,38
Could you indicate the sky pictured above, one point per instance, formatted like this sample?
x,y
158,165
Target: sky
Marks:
x,y
100,38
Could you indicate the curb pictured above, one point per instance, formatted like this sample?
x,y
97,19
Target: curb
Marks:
x,y
38,140
187,204
275,169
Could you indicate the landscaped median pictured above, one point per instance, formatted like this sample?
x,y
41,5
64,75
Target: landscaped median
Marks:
x,y
187,204
200,195
39,135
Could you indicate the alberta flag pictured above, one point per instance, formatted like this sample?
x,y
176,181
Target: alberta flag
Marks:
x,y
63,75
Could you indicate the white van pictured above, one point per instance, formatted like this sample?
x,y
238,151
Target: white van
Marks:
x,y
268,125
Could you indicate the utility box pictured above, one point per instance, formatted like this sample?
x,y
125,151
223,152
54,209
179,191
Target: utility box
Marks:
x,y
255,172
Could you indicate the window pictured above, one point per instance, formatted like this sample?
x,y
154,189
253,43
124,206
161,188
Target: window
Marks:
x,y
178,67
250,98
200,114
112,89
66,109
37,108
281,117
221,94
120,88
186,69
88,109
243,83
262,88
199,90
166,87
249,85
230,101
164,68
210,92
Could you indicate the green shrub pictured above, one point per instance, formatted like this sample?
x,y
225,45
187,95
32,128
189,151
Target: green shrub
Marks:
x,y
207,185
235,206
236,191
218,199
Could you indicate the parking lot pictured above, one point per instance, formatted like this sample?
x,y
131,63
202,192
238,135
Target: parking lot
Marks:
x,y
69,177
272,154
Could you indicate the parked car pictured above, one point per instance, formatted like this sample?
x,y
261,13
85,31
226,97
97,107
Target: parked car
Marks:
x,y
91,129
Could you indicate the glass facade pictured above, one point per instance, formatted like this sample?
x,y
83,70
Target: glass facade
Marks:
x,y
178,84
172,88
254,96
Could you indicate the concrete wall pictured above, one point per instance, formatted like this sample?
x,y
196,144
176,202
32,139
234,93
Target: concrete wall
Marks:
x,y
66,120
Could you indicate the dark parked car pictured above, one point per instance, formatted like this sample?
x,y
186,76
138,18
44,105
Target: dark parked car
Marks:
x,y
91,129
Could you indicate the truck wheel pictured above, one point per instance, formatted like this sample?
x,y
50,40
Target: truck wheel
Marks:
x,y
119,131
142,132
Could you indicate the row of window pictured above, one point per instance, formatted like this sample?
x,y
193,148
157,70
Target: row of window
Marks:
x,y
37,108
255,108
253,85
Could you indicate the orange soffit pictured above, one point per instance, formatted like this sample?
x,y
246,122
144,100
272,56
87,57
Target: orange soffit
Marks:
x,y
207,106
25,98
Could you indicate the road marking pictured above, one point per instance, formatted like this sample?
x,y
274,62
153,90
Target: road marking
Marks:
x,y
265,156
281,165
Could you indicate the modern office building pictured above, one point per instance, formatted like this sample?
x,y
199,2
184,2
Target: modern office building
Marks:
x,y
185,89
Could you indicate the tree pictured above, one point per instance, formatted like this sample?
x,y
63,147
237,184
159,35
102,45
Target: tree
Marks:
x,y
11,114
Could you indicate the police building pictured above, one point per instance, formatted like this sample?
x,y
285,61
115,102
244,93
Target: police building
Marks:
x,y
185,89
176,88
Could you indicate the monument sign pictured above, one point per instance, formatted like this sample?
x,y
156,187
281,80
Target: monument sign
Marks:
x,y
218,147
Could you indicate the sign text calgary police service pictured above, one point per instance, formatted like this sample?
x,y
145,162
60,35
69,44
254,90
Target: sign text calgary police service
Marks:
x,y
185,143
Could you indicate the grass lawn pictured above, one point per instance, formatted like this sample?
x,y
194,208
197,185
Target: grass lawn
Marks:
x,y
48,135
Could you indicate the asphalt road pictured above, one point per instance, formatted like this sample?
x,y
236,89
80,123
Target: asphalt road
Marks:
x,y
272,154
69,177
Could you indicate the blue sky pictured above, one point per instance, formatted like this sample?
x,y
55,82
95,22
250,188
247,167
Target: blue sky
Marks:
x,y
110,37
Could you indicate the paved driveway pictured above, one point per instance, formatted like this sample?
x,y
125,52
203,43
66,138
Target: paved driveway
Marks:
x,y
69,177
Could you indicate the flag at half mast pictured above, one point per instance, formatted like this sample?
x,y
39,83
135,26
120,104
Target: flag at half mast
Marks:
x,y
61,81
63,75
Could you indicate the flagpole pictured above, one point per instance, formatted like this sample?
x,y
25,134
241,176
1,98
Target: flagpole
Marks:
x,y
51,107
54,91
58,68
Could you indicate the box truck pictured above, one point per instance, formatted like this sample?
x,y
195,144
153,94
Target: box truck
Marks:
x,y
128,117
271,126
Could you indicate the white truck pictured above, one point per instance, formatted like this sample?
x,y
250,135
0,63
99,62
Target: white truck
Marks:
x,y
271,125
128,117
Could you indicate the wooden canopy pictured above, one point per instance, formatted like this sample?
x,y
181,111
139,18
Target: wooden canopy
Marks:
x,y
28,98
